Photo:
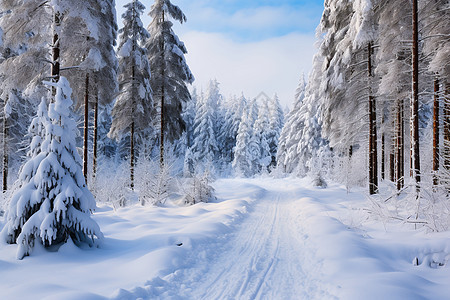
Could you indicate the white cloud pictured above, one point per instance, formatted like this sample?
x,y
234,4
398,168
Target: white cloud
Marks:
x,y
273,65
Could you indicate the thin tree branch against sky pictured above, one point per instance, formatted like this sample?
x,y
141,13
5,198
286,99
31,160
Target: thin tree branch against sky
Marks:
x,y
248,46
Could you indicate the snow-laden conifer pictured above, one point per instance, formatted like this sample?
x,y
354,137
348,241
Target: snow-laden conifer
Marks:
x,y
52,203
276,123
134,103
170,72
247,150
287,150
261,137
234,110
204,148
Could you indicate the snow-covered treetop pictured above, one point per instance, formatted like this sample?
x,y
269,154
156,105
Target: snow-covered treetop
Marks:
x,y
168,8
133,28
362,25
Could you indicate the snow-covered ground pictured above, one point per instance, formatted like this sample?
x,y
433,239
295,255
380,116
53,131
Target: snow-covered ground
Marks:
x,y
262,239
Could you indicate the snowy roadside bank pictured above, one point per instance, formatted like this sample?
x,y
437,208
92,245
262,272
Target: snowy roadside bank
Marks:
x,y
141,243
363,258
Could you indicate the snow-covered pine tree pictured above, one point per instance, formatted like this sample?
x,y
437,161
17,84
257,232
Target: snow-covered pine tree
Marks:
x,y
88,57
302,147
246,151
276,123
261,136
335,49
107,148
52,203
241,164
23,49
217,112
234,110
170,72
134,104
37,128
204,147
189,114
17,112
287,145
25,39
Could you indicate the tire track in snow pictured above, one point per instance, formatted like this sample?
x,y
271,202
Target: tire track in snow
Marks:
x,y
262,259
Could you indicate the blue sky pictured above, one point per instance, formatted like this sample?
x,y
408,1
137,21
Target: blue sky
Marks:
x,y
248,46
253,20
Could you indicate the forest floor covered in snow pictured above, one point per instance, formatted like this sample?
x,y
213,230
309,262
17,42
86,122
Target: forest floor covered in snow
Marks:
x,y
262,238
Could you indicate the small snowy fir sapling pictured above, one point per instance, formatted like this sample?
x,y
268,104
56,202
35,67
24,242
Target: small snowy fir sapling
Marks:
x,y
158,187
52,203
199,189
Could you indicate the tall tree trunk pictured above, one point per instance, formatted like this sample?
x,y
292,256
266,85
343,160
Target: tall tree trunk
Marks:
x,y
383,161
436,133
5,151
86,127
133,95
400,142
373,155
392,153
415,99
391,165
56,67
132,156
95,138
447,128
162,113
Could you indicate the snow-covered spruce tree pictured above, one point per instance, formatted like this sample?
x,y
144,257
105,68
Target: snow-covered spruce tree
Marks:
x,y
337,112
53,203
23,48
107,148
234,110
246,151
215,100
189,114
261,135
91,26
17,112
302,149
276,123
204,147
170,73
288,141
36,131
134,104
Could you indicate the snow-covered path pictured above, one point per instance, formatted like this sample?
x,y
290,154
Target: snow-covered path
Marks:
x,y
262,258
